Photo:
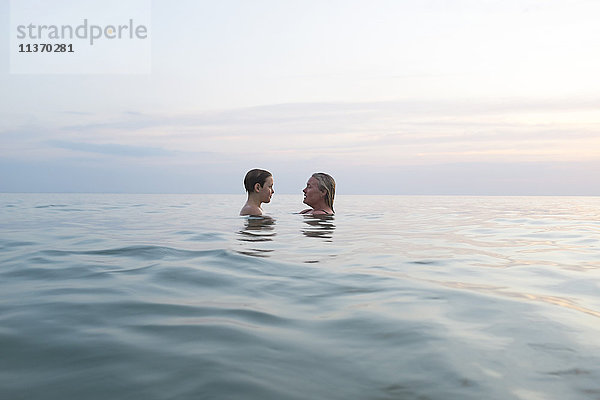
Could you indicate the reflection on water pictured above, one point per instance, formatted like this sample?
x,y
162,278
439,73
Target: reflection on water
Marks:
x,y
260,238
319,226
257,229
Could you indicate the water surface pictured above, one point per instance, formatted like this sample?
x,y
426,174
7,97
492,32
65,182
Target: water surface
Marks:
x,y
394,297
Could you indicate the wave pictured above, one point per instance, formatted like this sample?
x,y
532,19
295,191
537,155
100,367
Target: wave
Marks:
x,y
145,252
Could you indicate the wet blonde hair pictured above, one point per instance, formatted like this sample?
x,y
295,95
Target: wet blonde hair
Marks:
x,y
326,184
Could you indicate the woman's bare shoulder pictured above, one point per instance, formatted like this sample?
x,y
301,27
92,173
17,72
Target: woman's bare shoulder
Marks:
x,y
321,212
312,211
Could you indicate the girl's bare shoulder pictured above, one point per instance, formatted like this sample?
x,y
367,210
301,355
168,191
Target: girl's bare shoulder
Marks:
x,y
250,209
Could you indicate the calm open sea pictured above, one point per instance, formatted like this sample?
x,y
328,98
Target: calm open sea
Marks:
x,y
395,297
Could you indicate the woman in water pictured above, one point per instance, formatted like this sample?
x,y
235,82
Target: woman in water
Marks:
x,y
318,194
259,185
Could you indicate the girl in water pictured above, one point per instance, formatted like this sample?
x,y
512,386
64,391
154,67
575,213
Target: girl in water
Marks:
x,y
318,194
259,185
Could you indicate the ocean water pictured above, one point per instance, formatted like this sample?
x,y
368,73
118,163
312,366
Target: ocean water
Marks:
x,y
107,296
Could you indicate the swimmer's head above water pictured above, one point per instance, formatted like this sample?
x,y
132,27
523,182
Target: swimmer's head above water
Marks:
x,y
319,194
259,185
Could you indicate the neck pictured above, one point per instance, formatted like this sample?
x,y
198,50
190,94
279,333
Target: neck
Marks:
x,y
321,205
253,199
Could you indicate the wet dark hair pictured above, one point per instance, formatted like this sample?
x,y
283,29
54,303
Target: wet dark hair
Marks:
x,y
255,176
326,184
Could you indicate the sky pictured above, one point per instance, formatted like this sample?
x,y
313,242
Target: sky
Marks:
x,y
466,97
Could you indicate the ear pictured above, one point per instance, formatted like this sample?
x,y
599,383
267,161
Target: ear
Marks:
x,y
257,187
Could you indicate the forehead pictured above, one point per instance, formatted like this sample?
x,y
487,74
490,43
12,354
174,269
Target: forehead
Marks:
x,y
312,181
269,180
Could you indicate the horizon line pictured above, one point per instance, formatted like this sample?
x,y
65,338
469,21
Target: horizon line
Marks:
x,y
338,194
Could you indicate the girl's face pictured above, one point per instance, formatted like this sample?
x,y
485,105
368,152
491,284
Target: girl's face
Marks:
x,y
312,194
266,191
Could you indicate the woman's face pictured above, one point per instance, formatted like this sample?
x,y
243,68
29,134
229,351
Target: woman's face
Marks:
x,y
312,194
266,191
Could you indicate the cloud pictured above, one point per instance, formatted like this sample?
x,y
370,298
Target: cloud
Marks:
x,y
77,113
393,133
405,122
111,149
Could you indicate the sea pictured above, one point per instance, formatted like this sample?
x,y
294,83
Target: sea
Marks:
x,y
123,296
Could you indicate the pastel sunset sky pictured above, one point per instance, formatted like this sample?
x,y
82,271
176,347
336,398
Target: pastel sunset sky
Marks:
x,y
389,97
